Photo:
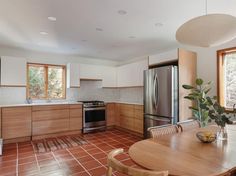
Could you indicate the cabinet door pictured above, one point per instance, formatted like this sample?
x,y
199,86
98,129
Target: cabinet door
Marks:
x,y
73,75
138,118
16,122
187,75
50,119
111,114
109,77
75,117
163,57
0,122
131,75
13,71
50,126
90,71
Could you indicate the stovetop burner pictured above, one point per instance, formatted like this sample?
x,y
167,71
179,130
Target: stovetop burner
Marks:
x,y
94,103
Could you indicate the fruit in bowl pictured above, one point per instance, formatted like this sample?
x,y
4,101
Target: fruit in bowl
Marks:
x,y
206,136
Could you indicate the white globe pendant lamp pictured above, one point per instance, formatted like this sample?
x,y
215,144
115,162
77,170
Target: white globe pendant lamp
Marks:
x,y
207,30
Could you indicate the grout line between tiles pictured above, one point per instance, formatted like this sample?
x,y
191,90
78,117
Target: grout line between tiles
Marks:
x,y
78,162
17,160
35,157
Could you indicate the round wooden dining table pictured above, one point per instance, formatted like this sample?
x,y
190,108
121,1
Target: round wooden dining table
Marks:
x,y
183,154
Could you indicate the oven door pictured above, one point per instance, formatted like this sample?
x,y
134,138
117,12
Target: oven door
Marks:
x,y
94,117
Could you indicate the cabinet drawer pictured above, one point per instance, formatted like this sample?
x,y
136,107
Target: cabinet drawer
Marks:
x,y
127,110
49,107
138,107
75,123
50,126
127,123
75,106
138,114
138,126
16,122
75,113
50,114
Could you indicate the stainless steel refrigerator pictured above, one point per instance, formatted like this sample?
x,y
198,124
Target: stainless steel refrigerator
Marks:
x,y
160,97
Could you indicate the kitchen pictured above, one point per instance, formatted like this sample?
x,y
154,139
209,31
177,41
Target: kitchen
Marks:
x,y
50,91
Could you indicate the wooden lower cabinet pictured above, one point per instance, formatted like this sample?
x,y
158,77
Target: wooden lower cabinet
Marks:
x,y
50,126
0,122
111,114
129,117
16,122
56,119
75,120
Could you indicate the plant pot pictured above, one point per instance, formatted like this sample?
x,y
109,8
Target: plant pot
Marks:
x,y
222,134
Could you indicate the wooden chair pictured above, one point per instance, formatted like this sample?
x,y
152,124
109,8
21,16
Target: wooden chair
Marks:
x,y
188,125
162,130
131,171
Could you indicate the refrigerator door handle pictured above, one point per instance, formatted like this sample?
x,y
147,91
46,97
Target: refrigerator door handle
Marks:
x,y
154,92
160,119
157,92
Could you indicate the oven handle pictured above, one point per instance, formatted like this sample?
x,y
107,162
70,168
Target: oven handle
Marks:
x,y
92,109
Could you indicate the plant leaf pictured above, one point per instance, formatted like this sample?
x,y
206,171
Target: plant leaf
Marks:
x,y
199,81
187,87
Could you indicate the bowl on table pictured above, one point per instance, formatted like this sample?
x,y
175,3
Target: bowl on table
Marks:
x,y
206,136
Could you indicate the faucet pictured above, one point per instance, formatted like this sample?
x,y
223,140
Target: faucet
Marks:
x,y
29,100
234,110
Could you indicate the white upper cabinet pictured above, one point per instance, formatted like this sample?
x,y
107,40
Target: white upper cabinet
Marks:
x,y
131,75
90,72
97,72
13,71
108,76
163,57
73,75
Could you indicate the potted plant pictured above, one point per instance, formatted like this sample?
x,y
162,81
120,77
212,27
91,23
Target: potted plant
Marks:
x,y
217,113
205,108
201,105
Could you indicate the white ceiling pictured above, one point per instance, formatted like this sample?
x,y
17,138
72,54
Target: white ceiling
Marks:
x,y
22,20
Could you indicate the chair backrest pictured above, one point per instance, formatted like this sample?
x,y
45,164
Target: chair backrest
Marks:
x,y
131,171
158,131
188,125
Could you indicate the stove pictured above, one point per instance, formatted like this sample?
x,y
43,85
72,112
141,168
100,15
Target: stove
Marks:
x,y
95,103
94,116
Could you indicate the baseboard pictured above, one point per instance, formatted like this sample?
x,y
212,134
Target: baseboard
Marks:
x,y
129,131
20,139
55,134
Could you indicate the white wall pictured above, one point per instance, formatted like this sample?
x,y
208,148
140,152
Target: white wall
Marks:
x,y
207,62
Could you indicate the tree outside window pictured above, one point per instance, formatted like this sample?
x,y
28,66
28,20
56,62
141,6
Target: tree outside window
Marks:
x,y
227,77
46,81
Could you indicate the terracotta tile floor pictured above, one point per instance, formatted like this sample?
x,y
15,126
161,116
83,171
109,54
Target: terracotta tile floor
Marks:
x,y
89,159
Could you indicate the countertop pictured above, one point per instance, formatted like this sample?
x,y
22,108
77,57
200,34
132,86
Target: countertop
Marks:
x,y
39,104
60,103
124,102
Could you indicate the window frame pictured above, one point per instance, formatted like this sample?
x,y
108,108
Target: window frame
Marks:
x,y
46,97
220,75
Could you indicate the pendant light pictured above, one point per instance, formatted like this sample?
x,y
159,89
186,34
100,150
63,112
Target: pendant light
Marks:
x,y
207,30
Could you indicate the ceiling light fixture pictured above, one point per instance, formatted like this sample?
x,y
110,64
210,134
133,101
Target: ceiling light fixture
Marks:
x,y
51,18
159,24
99,29
122,12
43,33
132,37
207,30
84,40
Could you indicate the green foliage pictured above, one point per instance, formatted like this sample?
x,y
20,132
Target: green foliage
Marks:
x,y
217,113
205,108
200,99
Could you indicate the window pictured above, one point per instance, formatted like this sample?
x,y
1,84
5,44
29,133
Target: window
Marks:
x,y
46,81
226,62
